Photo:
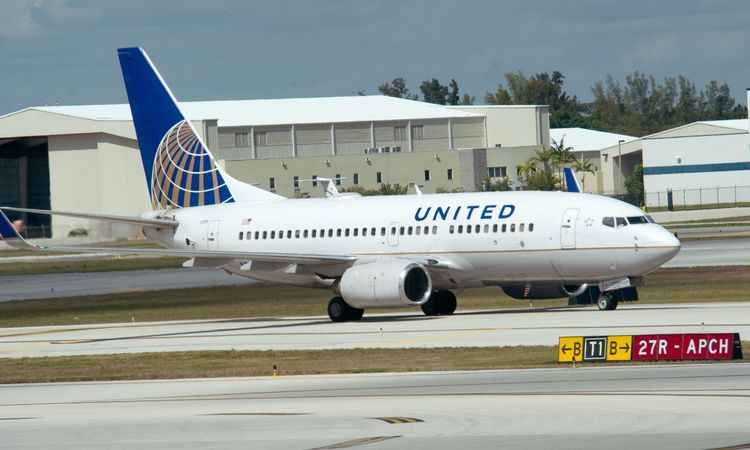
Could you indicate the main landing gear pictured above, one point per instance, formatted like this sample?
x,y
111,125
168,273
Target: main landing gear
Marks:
x,y
441,303
340,311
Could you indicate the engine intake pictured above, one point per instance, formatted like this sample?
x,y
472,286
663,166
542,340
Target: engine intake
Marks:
x,y
386,284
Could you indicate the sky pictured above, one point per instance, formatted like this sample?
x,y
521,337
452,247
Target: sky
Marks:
x,y
63,52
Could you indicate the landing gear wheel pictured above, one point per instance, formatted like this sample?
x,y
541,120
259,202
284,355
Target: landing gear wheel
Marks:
x,y
340,311
607,302
441,303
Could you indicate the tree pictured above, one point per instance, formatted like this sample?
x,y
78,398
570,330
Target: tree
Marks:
x,y
561,155
453,97
467,99
397,88
583,166
503,184
434,92
634,184
384,189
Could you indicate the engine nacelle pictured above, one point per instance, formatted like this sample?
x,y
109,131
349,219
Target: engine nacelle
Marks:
x,y
386,284
540,291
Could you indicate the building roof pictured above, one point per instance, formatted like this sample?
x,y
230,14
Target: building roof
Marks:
x,y
283,111
737,124
582,139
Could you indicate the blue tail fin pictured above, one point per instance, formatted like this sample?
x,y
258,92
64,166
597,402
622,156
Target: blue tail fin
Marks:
x,y
11,235
180,170
570,180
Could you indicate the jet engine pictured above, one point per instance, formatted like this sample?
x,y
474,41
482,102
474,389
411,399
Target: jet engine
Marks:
x,y
385,283
544,290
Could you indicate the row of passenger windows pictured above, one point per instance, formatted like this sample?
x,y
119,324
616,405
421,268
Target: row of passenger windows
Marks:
x,y
504,228
619,222
373,231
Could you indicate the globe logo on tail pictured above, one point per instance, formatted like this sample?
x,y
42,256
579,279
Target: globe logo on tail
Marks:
x,y
184,174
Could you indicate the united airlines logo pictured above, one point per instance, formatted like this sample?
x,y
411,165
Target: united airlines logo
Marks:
x,y
484,212
184,174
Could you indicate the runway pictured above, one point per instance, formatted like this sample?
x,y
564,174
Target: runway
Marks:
x,y
22,287
412,330
666,407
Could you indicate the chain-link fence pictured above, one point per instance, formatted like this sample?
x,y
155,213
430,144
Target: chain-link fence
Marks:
x,y
702,197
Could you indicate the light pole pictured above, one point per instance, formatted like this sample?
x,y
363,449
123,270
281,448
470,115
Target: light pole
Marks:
x,y
619,163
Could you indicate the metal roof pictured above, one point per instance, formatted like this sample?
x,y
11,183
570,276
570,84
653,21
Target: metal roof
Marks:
x,y
738,124
230,113
583,139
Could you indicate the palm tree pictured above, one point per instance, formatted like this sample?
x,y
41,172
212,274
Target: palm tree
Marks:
x,y
561,155
583,166
544,157
525,170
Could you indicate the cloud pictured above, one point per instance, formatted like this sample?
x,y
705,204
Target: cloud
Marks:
x,y
30,18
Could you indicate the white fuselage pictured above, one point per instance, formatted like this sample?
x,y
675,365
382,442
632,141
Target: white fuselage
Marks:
x,y
514,236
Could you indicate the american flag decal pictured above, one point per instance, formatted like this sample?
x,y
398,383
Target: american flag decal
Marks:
x,y
246,221
184,173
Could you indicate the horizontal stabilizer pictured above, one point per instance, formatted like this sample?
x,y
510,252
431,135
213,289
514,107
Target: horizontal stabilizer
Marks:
x,y
159,223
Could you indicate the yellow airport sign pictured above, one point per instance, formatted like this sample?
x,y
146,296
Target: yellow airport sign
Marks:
x,y
619,348
570,348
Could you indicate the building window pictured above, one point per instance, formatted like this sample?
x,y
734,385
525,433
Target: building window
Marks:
x,y
315,181
399,134
241,139
417,132
450,174
295,182
338,179
427,175
379,177
272,183
261,138
355,178
497,172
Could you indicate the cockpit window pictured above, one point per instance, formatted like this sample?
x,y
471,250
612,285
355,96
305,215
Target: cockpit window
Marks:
x,y
637,220
650,219
621,222
608,222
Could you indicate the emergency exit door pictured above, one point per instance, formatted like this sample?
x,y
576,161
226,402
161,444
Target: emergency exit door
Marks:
x,y
568,228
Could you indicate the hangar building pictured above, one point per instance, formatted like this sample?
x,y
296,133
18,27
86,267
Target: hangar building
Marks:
x,y
85,158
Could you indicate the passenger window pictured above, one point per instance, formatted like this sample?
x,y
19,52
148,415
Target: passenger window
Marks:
x,y
410,231
426,230
364,231
372,231
305,234
281,234
346,232
460,228
296,234
621,222
241,234
314,233
531,227
393,231
505,227
330,232
486,228
338,232
434,229
477,228
521,227
494,228
355,232
451,229
382,231
256,235
608,222
513,228
265,234
273,234
468,229
418,230
401,230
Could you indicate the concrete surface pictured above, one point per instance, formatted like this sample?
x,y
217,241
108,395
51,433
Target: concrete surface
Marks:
x,y
19,287
699,214
643,407
464,329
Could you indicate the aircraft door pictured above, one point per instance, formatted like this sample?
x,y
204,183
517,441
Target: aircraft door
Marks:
x,y
212,234
568,228
393,230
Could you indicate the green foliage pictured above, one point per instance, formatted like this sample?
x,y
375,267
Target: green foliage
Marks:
x,y
634,184
434,92
397,88
583,166
384,189
502,184
541,180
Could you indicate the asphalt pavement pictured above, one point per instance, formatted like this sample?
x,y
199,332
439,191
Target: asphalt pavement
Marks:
x,y
664,407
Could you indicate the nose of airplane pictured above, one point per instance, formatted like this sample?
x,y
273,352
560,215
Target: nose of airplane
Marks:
x,y
669,242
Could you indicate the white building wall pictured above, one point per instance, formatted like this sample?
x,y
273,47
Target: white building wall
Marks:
x,y
514,125
691,185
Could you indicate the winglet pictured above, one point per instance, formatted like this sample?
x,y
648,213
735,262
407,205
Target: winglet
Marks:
x,y
570,180
11,236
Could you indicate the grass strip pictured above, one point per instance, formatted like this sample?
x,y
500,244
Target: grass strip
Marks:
x,y
679,285
90,265
230,363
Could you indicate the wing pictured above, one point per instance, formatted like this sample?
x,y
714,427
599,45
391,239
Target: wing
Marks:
x,y
11,235
159,223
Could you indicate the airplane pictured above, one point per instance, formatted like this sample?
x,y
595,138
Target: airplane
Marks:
x,y
372,252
